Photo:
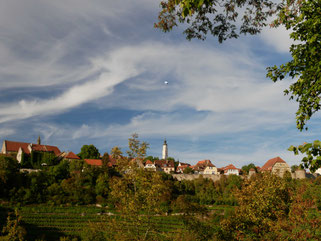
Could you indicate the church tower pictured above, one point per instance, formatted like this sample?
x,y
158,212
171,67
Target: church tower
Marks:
x,y
39,141
165,151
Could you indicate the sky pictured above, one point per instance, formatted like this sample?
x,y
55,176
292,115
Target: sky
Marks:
x,y
78,72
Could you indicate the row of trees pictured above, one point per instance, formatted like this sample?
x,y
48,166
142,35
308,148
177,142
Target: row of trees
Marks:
x,y
268,208
78,183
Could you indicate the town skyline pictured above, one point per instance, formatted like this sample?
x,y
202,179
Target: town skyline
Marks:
x,y
62,152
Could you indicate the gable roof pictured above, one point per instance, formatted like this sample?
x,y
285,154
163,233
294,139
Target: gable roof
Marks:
x,y
14,146
270,163
201,165
229,167
71,155
45,148
165,163
148,162
94,162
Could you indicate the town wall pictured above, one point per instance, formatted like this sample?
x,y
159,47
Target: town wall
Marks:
x,y
298,174
191,177
280,169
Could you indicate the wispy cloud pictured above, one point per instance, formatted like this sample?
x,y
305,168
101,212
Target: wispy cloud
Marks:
x,y
105,54
278,38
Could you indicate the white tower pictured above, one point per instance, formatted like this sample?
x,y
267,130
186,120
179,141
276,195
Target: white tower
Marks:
x,y
165,151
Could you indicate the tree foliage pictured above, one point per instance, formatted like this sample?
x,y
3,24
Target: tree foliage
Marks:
x,y
138,196
305,66
247,168
216,17
89,151
137,149
262,201
13,231
312,160
116,152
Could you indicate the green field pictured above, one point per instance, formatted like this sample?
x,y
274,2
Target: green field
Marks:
x,y
50,223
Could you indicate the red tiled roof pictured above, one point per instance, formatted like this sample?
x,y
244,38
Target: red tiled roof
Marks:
x,y
46,148
230,167
201,162
71,155
270,163
94,162
14,146
148,162
164,163
205,163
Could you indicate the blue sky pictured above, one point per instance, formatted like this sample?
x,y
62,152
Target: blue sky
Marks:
x,y
81,72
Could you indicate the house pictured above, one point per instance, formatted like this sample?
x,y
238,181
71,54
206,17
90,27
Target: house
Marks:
x,y
181,167
94,162
276,166
230,170
69,156
252,172
149,165
20,148
112,162
167,166
205,167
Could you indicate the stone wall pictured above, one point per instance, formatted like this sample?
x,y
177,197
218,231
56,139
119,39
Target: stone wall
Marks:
x,y
280,168
299,174
190,177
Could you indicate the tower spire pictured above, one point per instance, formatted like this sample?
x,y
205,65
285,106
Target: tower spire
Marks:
x,y
165,150
39,140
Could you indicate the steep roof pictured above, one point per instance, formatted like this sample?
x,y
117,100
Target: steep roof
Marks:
x,y
205,163
148,162
164,163
94,162
71,155
45,148
270,163
14,146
